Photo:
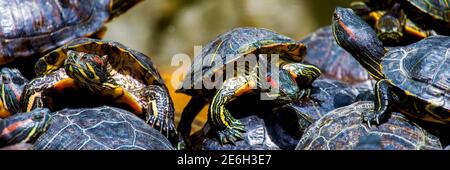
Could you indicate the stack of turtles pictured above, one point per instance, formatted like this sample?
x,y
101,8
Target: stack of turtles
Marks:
x,y
88,93
282,127
121,101
226,56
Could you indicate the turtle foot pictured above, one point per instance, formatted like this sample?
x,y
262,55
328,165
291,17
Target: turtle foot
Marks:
x,y
166,127
232,133
374,118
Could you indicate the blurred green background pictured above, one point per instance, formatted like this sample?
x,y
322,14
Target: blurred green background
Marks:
x,y
163,28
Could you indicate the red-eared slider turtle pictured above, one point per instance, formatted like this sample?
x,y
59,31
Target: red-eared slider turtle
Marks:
x,y
227,54
29,28
413,80
108,70
429,14
101,128
342,129
334,62
273,128
12,83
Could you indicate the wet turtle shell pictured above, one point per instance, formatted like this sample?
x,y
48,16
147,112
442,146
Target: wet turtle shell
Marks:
x,y
133,70
342,128
430,14
234,45
101,128
334,62
35,27
130,70
421,71
12,84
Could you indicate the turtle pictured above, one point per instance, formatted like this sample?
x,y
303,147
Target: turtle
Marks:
x,y
12,83
99,128
101,72
389,20
334,62
228,53
282,127
343,129
32,28
413,79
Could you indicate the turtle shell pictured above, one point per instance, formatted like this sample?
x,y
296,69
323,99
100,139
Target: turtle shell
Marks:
x,y
122,58
101,128
438,9
234,45
12,84
334,62
430,14
34,27
326,95
422,71
342,129
257,137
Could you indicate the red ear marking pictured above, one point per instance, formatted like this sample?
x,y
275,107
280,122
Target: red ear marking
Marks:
x,y
98,60
271,81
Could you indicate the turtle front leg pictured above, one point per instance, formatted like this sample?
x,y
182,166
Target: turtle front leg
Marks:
x,y
381,103
160,111
304,74
228,129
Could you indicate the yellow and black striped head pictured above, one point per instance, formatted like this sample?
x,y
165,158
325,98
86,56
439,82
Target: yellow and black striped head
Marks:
x,y
24,127
86,69
11,85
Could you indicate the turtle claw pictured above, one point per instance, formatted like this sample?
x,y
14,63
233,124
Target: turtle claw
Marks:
x,y
305,93
166,128
373,118
232,133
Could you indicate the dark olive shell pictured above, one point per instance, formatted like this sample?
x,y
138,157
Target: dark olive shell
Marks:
x,y
31,27
342,129
102,128
234,45
257,137
422,71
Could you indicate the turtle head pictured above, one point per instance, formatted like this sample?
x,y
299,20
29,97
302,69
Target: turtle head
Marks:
x,y
286,85
86,69
11,85
390,26
359,39
24,127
